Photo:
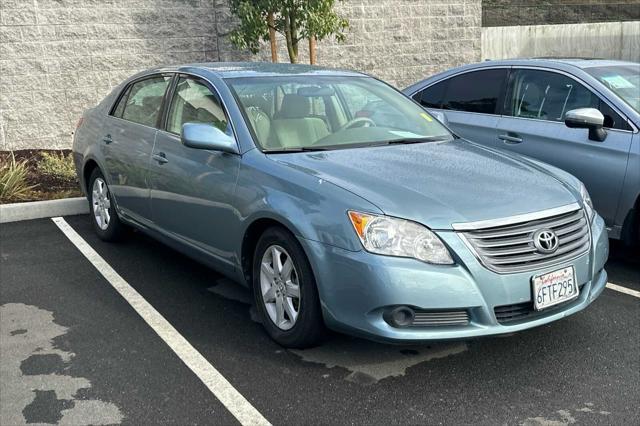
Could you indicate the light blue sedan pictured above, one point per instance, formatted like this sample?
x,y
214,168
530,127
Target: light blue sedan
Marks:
x,y
580,115
340,202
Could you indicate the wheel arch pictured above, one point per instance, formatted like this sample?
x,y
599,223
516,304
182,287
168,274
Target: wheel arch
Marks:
x,y
89,166
251,235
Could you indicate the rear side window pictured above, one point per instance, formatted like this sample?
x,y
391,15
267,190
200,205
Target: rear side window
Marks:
x,y
546,95
431,97
143,100
476,91
117,111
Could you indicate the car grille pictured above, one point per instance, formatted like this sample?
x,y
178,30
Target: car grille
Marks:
x,y
510,248
524,311
440,318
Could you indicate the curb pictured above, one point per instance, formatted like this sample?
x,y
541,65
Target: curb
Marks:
x,y
41,209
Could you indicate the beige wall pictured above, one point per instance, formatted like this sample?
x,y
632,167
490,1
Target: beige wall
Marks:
x,y
609,40
58,57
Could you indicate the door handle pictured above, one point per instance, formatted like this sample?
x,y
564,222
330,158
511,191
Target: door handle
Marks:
x,y
107,139
160,157
510,138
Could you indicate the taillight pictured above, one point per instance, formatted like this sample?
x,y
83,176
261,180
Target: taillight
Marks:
x,y
79,122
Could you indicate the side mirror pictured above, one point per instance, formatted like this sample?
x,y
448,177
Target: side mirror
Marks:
x,y
440,116
587,118
206,136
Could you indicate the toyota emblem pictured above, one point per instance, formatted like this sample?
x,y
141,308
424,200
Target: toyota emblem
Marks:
x,y
546,241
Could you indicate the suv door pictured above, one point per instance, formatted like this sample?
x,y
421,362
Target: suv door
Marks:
x,y
129,135
192,189
533,125
471,102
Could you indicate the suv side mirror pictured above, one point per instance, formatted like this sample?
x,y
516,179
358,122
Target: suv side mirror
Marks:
x,y
440,116
587,118
206,136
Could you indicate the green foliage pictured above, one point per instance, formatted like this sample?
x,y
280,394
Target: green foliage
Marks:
x,y
253,23
295,19
57,165
13,179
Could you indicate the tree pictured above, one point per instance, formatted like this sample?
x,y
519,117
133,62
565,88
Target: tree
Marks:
x,y
295,19
321,21
257,23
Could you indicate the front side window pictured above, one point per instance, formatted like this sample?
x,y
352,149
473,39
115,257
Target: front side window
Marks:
x,y
476,91
546,95
330,112
193,102
144,100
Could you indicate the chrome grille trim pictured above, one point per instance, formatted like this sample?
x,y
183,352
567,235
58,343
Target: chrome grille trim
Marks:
x,y
509,248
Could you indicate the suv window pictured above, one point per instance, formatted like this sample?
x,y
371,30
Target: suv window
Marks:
x,y
546,95
144,100
431,97
193,102
476,91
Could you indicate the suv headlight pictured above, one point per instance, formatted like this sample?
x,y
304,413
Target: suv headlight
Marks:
x,y
586,200
398,237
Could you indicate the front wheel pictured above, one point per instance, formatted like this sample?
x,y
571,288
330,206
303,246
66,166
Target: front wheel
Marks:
x,y
285,291
102,208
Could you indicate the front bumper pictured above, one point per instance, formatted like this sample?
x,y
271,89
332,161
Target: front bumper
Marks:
x,y
357,287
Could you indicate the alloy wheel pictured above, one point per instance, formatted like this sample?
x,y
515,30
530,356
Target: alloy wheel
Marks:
x,y
280,287
101,203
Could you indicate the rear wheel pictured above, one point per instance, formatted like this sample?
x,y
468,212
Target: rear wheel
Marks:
x,y
285,291
102,208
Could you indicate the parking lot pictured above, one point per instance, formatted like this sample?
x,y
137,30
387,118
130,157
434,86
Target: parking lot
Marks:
x,y
97,356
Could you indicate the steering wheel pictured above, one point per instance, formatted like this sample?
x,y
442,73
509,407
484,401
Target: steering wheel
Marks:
x,y
359,122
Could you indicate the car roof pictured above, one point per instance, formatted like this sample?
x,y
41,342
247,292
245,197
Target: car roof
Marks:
x,y
556,61
226,70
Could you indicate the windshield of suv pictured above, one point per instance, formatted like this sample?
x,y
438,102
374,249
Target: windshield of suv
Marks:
x,y
299,113
623,80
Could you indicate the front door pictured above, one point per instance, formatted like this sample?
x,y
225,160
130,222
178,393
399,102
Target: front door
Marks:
x,y
192,189
533,125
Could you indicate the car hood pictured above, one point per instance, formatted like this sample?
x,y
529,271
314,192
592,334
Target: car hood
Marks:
x,y
437,183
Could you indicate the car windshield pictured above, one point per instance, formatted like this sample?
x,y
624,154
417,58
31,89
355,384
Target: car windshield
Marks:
x,y
299,113
623,80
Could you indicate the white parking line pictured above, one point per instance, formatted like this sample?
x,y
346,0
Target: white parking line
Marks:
x,y
616,287
241,409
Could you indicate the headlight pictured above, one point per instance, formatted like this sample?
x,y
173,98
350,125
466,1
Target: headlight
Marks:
x,y
398,237
588,204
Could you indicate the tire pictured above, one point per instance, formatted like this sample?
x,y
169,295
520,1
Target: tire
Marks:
x,y
306,328
104,217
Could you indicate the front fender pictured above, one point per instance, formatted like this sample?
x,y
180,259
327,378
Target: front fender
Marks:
x,y
311,208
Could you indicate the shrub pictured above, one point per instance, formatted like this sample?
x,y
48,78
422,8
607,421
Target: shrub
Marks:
x,y
57,165
13,179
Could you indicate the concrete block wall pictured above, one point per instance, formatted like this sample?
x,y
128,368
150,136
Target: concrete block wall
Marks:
x,y
59,57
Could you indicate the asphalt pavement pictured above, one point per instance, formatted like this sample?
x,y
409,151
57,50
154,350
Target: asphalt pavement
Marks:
x,y
74,351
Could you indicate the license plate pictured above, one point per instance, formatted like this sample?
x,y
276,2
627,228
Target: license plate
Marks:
x,y
554,288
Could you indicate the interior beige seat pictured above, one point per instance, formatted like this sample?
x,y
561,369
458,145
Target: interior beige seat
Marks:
x,y
293,125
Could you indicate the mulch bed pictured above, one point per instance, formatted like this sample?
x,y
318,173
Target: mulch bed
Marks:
x,y
48,187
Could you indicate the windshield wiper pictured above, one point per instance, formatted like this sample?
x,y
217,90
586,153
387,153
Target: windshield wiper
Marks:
x,y
296,149
408,141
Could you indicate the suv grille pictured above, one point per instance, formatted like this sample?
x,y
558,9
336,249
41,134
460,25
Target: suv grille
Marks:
x,y
510,248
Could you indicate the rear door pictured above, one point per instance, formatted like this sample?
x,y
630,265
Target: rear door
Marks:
x,y
470,101
127,143
533,125
192,189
